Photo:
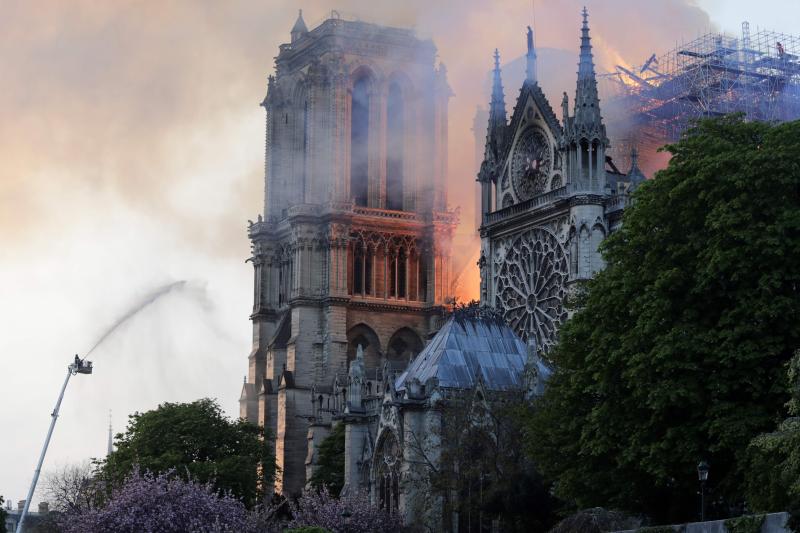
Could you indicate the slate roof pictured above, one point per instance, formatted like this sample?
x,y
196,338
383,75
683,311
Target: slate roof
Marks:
x,y
466,347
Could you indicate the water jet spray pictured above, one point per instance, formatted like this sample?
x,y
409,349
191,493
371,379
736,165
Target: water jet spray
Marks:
x,y
82,366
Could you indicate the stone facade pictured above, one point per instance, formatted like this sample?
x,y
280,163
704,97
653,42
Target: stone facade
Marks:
x,y
353,248
549,196
395,423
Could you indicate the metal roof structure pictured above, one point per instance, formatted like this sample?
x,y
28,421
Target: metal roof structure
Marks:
x,y
757,74
468,347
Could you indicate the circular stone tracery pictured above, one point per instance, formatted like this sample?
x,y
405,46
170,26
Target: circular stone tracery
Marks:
x,y
530,164
531,287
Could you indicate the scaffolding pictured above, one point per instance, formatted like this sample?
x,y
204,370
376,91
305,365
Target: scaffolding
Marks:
x,y
716,74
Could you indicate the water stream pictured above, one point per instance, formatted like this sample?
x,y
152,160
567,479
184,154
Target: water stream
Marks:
x,y
136,308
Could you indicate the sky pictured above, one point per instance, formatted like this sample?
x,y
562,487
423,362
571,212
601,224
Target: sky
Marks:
x,y
132,157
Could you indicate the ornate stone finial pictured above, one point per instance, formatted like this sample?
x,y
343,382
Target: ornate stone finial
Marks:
x,y
355,382
533,352
299,29
531,373
530,69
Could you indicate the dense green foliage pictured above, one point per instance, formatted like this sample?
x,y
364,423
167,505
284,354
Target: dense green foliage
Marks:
x,y
3,512
330,470
677,352
773,476
745,524
196,440
484,475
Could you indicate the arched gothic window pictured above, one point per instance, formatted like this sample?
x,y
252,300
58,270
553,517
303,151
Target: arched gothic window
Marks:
x,y
395,147
362,267
398,270
359,141
305,150
388,473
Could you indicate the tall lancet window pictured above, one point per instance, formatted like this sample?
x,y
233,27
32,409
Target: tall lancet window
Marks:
x,y
359,142
395,148
305,149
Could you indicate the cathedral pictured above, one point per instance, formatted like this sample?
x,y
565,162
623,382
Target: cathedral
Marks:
x,y
549,196
352,291
353,246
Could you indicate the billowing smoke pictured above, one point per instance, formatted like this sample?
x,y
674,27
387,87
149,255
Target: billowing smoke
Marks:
x,y
132,149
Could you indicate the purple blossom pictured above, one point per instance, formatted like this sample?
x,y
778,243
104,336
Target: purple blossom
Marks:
x,y
323,510
146,503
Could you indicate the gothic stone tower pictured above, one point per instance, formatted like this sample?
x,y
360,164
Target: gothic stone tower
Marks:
x,y
353,247
547,199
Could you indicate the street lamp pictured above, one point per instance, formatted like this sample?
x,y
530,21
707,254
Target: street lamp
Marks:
x,y
78,366
702,476
347,515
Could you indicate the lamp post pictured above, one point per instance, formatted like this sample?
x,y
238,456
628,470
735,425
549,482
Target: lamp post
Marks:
x,y
347,515
78,366
702,476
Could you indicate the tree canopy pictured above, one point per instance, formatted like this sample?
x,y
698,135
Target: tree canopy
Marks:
x,y
330,468
197,441
773,476
677,350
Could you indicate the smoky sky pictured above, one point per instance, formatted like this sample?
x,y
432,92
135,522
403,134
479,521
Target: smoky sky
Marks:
x,y
132,149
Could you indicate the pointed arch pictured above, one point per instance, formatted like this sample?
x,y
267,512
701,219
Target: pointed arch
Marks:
x,y
386,470
363,335
300,121
403,344
361,92
395,147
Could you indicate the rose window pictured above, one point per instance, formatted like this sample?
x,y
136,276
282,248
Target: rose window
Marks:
x,y
531,164
531,287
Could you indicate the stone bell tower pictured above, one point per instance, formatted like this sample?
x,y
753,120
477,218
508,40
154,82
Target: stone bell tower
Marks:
x,y
353,248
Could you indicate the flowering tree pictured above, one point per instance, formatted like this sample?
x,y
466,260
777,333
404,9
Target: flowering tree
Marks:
x,y
165,503
348,514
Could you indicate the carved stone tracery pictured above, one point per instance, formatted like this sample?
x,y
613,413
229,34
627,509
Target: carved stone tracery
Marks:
x,y
531,286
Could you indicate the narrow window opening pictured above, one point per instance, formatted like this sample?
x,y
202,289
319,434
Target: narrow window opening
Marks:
x,y
305,148
368,272
395,148
402,269
393,276
359,142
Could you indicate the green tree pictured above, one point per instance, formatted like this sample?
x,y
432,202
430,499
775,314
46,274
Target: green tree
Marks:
x,y
330,469
677,351
3,512
196,440
773,475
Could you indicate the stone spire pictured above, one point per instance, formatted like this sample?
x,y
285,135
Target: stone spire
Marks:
x,y
110,438
299,29
497,114
497,106
587,102
635,175
530,67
